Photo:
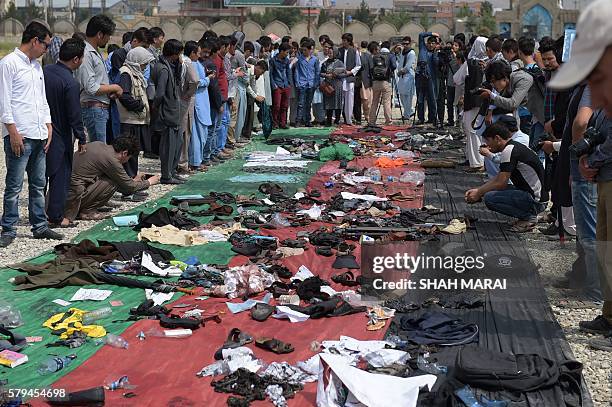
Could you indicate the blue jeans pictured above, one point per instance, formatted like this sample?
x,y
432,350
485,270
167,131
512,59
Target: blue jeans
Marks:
x,y
426,89
94,119
222,132
514,202
197,142
584,199
33,162
211,140
305,96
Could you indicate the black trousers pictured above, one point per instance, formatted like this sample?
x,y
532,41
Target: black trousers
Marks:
x,y
329,113
441,99
450,104
136,132
59,169
247,129
357,105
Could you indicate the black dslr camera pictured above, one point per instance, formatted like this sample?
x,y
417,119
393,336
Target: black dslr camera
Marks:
x,y
592,138
485,86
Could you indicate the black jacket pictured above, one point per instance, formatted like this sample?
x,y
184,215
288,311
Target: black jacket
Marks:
x,y
166,101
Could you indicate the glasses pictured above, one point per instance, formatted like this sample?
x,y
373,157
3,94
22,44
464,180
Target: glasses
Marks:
x,y
46,44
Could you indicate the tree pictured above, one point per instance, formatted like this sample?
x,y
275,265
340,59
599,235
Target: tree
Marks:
x,y
486,23
324,16
11,11
31,12
425,20
397,19
363,14
287,16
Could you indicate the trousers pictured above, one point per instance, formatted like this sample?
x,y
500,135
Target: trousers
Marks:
x,y
604,241
472,139
514,203
96,195
349,101
280,106
170,144
381,93
58,168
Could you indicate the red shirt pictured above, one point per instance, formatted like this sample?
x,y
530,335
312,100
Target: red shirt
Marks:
x,y
221,76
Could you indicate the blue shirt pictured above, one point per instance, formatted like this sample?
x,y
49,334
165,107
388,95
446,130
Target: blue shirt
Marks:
x,y
280,73
63,93
307,72
426,55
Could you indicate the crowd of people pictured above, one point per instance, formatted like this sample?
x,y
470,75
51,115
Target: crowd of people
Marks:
x,y
191,104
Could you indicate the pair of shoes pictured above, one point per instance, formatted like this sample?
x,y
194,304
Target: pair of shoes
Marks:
x,y
5,240
48,234
600,325
285,127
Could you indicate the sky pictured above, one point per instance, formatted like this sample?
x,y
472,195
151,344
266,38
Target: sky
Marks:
x,y
168,5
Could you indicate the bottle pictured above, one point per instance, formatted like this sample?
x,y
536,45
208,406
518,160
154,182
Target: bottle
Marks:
x,y
121,383
116,341
54,364
95,315
429,367
373,173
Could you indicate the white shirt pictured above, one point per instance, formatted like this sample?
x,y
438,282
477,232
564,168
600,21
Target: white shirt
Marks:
x,y
23,101
347,86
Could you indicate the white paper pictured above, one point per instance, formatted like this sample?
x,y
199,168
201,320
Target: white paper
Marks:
x,y
338,214
278,163
364,387
314,212
157,297
328,290
61,302
299,195
302,274
91,294
386,357
281,151
283,312
370,198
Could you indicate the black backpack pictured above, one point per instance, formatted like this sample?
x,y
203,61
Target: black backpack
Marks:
x,y
380,70
539,79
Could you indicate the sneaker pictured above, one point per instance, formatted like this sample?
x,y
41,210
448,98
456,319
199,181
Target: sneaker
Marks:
x,y
180,177
604,344
5,241
599,326
551,230
49,234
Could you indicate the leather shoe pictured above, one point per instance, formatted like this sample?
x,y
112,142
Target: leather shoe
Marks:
x,y
171,181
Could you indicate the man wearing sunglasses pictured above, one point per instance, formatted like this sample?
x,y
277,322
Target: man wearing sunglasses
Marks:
x,y
27,132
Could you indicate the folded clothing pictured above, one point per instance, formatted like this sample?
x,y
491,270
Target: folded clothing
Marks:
x,y
334,307
497,371
163,216
437,328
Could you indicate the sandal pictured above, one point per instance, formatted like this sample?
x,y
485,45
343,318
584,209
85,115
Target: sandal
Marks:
x,y
262,311
281,271
274,345
235,339
347,279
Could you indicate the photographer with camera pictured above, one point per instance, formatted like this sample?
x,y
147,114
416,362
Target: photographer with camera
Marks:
x,y
427,77
448,67
591,58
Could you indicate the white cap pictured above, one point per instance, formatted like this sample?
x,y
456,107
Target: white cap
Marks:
x,y
593,36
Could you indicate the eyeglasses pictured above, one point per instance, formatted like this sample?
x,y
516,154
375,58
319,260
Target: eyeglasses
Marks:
x,y
46,44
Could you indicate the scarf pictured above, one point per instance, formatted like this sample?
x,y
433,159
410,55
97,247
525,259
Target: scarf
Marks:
x,y
136,57
479,49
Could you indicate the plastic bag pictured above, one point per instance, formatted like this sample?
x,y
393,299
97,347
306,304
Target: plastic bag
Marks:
x,y
279,221
373,173
413,177
10,316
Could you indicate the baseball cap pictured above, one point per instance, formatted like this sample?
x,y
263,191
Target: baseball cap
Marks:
x,y
592,38
508,120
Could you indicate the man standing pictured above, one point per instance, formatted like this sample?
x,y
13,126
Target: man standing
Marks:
x,y
62,92
349,55
591,59
157,41
280,74
427,77
366,80
27,132
96,91
166,102
405,76
208,51
382,92
307,73
535,99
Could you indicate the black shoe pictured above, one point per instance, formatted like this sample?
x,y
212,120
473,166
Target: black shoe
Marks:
x,y
171,181
180,180
450,124
151,156
599,325
133,198
285,127
604,344
49,234
551,230
5,241
420,123
141,193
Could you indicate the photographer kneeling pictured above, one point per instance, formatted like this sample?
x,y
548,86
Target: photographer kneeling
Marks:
x,y
525,198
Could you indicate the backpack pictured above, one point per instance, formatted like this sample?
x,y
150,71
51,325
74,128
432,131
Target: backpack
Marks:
x,y
539,79
380,70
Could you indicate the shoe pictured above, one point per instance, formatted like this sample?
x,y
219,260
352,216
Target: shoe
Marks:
x,y
180,177
49,234
308,125
181,170
151,156
450,124
172,181
180,180
285,127
224,156
141,193
5,241
420,123
604,344
599,326
551,230
133,198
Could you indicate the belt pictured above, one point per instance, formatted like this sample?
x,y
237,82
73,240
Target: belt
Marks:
x,y
94,104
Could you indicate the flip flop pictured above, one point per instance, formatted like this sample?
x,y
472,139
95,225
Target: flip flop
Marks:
x,y
274,345
522,227
235,339
347,279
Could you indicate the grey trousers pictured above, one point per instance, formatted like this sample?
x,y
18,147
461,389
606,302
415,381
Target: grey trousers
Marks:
x,y
170,144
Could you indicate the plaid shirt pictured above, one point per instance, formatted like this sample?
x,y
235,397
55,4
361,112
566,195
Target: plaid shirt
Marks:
x,y
54,48
549,100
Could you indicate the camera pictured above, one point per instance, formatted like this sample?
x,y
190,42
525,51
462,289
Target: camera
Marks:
x,y
485,86
592,138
